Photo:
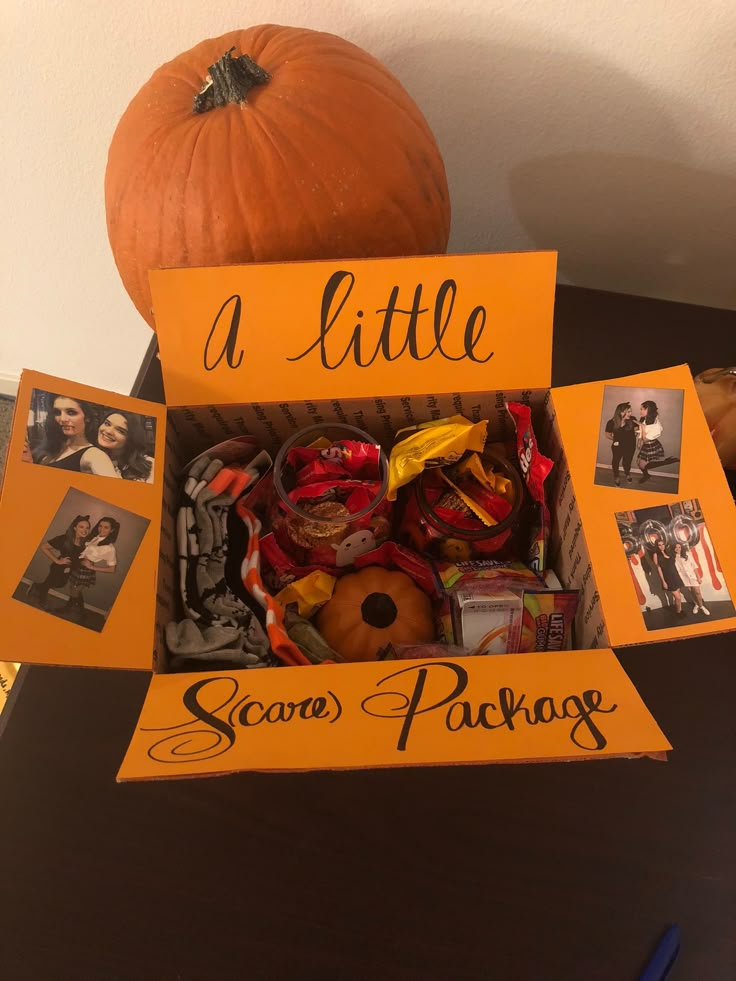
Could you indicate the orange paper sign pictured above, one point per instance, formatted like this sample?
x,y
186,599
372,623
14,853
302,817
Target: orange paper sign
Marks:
x,y
328,330
472,710
656,510
79,524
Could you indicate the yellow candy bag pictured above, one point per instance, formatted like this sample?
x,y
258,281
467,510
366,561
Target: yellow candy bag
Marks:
x,y
309,593
432,444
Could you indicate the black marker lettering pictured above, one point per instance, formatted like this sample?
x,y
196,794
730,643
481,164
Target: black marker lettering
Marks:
x,y
409,707
334,298
227,350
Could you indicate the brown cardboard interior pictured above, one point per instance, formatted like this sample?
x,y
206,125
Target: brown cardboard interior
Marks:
x,y
191,430
568,550
167,581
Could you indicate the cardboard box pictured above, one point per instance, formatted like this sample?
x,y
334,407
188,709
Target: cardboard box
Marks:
x,y
266,350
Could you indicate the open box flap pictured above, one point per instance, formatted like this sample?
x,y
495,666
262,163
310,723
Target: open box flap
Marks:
x,y
329,330
512,708
115,626
692,490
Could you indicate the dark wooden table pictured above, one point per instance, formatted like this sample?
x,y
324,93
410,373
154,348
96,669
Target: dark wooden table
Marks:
x,y
555,871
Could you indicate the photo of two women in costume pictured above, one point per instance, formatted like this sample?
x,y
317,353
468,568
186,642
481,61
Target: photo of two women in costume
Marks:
x,y
69,433
79,567
639,439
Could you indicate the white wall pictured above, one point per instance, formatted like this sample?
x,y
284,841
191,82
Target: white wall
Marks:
x,y
603,128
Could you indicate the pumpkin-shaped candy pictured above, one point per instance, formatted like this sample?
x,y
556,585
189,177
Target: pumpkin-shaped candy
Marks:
x,y
372,608
271,144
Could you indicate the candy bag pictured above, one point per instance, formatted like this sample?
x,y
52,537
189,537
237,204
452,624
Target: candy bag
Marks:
x,y
547,619
535,468
343,458
309,593
432,444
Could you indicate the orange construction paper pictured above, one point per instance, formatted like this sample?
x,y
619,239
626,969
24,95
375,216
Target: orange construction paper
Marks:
x,y
31,496
507,708
701,477
328,330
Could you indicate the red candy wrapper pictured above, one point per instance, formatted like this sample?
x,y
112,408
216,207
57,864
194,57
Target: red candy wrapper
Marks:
x,y
535,468
361,460
344,458
337,490
426,537
279,570
397,558
333,539
495,506
320,470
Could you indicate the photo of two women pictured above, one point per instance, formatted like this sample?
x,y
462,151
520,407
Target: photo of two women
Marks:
x,y
639,439
68,433
80,565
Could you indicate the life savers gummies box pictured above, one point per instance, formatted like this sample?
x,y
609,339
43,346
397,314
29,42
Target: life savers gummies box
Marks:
x,y
379,344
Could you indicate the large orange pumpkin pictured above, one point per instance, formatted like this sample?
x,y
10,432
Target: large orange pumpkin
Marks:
x,y
372,608
306,149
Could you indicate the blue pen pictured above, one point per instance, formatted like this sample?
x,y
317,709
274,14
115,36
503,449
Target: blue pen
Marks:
x,y
664,956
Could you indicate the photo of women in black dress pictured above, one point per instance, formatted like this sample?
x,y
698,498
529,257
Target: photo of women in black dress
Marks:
x,y
664,560
68,433
623,431
70,439
63,552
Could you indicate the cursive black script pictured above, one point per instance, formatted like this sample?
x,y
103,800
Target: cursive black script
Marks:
x,y
509,709
227,347
336,345
217,709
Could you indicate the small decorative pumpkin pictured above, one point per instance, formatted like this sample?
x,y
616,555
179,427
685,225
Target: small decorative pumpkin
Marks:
x,y
372,608
271,144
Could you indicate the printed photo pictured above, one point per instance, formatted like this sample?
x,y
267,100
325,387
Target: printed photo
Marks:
x,y
80,565
639,439
674,567
68,433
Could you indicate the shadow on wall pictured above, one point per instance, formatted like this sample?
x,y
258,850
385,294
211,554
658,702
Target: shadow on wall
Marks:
x,y
549,147
665,229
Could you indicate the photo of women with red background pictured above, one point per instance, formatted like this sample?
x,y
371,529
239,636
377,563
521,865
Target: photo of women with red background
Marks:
x,y
674,568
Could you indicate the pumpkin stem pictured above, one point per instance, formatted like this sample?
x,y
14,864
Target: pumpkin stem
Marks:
x,y
378,610
229,80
